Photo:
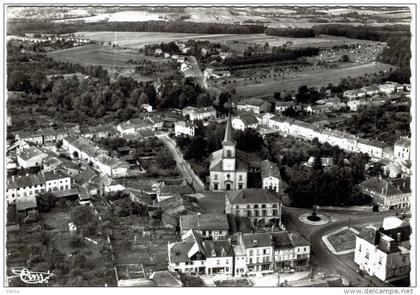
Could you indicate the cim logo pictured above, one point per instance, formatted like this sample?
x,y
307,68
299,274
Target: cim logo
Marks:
x,y
31,277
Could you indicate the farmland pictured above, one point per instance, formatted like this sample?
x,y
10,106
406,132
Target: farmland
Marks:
x,y
311,77
114,60
237,42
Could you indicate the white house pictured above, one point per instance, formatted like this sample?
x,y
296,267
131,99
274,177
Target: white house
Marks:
x,y
198,256
259,252
291,250
259,205
387,88
270,176
33,185
31,157
281,106
203,113
184,128
354,94
402,149
254,105
244,121
384,252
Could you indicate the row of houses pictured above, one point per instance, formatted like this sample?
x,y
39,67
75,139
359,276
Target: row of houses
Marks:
x,y
137,125
44,136
387,88
343,140
88,151
239,255
33,185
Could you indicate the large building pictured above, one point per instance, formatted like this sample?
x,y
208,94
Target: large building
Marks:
x,y
258,205
31,157
227,171
210,226
388,194
33,185
385,252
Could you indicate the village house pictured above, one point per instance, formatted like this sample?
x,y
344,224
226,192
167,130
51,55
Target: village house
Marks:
x,y
270,176
33,185
112,167
259,205
210,226
184,128
197,256
355,104
25,204
354,94
126,128
385,252
291,251
180,204
387,88
49,135
281,106
211,73
167,189
259,252
32,137
227,171
194,113
244,121
82,148
371,147
402,149
254,105
370,90
388,194
31,157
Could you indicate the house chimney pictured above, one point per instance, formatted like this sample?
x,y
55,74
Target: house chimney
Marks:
x,y
254,243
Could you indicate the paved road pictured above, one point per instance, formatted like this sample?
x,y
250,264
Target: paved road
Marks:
x,y
321,257
182,165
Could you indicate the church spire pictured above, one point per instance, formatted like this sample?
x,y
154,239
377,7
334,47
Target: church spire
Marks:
x,y
228,132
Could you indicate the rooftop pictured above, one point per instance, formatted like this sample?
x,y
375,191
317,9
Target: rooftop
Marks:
x,y
252,196
211,221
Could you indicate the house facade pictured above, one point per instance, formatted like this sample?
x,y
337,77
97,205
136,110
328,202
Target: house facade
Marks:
x,y
402,149
254,105
389,194
184,128
259,252
270,176
259,205
244,121
384,252
31,157
291,251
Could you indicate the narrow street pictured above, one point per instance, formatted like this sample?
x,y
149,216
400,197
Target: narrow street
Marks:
x,y
182,165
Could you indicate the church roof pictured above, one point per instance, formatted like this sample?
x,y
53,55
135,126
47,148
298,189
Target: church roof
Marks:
x,y
228,133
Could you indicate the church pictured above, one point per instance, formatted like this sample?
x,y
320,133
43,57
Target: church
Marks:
x,y
227,170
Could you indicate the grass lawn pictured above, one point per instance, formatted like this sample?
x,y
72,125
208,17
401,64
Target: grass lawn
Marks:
x,y
344,240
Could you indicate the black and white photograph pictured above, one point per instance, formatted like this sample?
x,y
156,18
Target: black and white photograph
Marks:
x,y
150,145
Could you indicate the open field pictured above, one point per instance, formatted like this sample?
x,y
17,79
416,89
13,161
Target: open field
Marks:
x,y
236,41
114,60
310,78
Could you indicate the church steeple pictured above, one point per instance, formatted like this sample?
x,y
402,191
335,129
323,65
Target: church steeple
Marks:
x,y
228,133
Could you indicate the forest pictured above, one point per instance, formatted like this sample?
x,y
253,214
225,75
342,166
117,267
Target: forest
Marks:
x,y
23,26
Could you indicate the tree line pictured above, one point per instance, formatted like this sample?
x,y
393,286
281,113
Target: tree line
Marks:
x,y
23,26
291,32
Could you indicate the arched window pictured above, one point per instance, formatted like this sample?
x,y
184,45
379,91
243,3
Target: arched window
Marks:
x,y
229,153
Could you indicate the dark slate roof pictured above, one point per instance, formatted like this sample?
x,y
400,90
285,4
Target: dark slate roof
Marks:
x,y
248,119
179,251
227,140
370,234
24,181
254,195
25,203
387,188
176,189
30,153
261,240
281,240
66,193
211,221
218,248
298,240
53,175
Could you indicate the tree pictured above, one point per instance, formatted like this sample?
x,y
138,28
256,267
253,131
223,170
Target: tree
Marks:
x,y
249,140
197,149
45,202
18,81
82,215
